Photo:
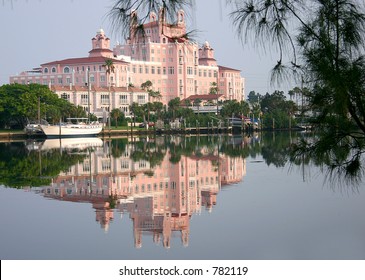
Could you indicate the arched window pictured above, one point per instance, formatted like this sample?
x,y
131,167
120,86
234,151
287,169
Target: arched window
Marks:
x,y
53,70
66,69
45,70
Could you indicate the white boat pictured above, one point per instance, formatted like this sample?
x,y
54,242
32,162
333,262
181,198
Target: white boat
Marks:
x,y
34,127
75,127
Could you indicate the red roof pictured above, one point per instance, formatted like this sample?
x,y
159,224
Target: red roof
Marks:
x,y
204,96
223,68
98,89
208,58
82,60
101,50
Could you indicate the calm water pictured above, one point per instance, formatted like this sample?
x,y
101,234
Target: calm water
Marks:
x,y
174,198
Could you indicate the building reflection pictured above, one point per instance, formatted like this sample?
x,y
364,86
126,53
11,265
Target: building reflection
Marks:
x,y
159,200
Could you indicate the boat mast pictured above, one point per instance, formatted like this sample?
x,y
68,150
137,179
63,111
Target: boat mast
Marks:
x,y
39,109
88,95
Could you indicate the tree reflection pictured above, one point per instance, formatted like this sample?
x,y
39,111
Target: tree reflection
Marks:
x,y
342,160
20,167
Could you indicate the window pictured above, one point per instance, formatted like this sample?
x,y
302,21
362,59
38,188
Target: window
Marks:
x,y
53,70
86,166
105,165
190,70
141,99
84,99
171,70
45,70
124,109
123,99
65,96
104,99
124,164
60,81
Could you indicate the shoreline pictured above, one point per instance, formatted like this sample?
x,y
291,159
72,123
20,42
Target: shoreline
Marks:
x,y
21,135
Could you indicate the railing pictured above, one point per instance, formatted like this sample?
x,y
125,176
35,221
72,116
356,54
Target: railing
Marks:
x,y
206,109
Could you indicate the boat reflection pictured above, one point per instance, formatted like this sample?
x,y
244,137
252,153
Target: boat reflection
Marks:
x,y
65,143
160,198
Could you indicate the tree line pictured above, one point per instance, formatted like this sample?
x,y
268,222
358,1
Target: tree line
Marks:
x,y
20,104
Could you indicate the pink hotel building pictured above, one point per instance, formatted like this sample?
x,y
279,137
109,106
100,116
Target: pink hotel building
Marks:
x,y
176,66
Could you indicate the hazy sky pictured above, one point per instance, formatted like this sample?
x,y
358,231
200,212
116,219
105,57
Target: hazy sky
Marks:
x,y
40,31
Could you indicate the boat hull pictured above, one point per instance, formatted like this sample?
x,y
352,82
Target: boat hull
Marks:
x,y
56,131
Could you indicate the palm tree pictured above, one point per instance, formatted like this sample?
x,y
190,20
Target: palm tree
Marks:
x,y
197,103
158,106
109,68
155,94
174,104
245,107
115,114
291,109
151,93
136,109
214,90
146,85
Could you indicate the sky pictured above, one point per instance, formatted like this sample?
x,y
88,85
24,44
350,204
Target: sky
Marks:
x,y
40,31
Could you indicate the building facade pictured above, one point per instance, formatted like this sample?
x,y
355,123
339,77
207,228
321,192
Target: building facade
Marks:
x,y
176,66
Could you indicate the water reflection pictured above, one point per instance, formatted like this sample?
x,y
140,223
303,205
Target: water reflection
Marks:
x,y
160,183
